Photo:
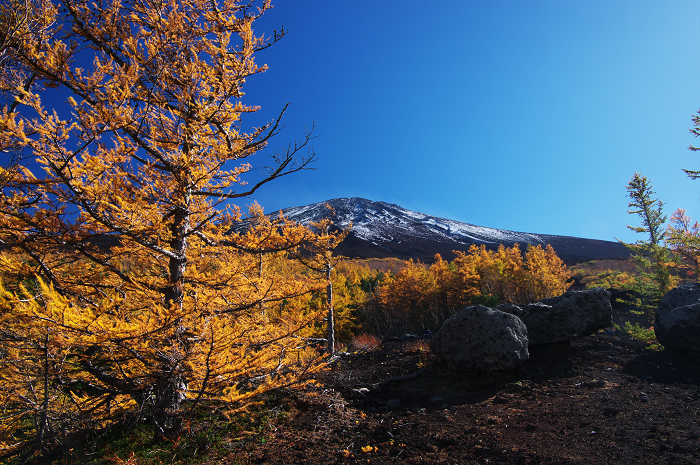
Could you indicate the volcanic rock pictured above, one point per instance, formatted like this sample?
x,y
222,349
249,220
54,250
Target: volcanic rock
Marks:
x,y
566,317
677,322
479,338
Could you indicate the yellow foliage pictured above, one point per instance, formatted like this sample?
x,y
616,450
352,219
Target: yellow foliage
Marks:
x,y
130,283
418,297
510,277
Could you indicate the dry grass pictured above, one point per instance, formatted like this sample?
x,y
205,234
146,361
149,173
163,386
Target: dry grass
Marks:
x,y
594,266
420,346
366,341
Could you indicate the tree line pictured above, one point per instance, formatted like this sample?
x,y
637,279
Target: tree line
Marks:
x,y
417,297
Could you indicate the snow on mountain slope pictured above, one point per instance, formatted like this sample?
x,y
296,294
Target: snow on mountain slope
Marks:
x,y
380,229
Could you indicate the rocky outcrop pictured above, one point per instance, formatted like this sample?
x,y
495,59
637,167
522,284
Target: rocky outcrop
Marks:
x,y
677,324
566,317
479,338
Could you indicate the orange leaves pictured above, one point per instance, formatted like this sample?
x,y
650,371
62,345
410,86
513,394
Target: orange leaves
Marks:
x,y
119,260
546,276
683,238
419,297
409,288
510,277
168,78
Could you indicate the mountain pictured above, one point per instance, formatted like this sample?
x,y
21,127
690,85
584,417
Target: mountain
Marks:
x,y
381,230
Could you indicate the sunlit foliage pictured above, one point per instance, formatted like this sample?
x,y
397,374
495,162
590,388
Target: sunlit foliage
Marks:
x,y
512,277
420,297
608,274
131,287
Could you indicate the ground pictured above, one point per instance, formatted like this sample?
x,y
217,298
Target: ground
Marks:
x,y
604,398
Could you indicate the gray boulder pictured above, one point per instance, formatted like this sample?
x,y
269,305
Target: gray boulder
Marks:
x,y
677,324
479,338
566,317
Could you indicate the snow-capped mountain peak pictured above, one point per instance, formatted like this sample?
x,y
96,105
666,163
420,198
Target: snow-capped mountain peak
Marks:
x,y
381,229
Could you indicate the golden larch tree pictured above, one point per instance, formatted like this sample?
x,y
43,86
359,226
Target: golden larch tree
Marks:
x,y
509,277
129,282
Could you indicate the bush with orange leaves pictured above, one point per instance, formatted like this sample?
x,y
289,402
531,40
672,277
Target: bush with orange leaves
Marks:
x,y
366,341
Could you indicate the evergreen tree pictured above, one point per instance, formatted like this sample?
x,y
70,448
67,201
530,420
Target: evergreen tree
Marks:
x,y
653,260
695,130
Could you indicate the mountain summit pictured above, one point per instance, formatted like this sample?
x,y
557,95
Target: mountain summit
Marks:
x,y
381,230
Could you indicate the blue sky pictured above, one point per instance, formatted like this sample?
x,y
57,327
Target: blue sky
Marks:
x,y
522,115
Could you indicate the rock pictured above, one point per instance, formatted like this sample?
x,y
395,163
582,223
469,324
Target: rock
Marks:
x,y
569,316
438,402
393,403
677,322
596,383
479,338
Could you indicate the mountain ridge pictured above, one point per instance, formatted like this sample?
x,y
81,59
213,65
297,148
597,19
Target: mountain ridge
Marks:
x,y
382,230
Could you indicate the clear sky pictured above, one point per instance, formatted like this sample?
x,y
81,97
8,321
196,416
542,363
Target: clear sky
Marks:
x,y
523,115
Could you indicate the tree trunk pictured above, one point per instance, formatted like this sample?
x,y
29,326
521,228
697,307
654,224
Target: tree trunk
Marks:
x,y
331,322
171,384
43,421
170,392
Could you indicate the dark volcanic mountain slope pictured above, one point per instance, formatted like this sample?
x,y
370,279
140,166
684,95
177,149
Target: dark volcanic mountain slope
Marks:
x,y
384,230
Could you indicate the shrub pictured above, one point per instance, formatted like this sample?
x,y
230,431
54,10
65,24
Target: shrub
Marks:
x,y
615,274
420,347
640,333
366,341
